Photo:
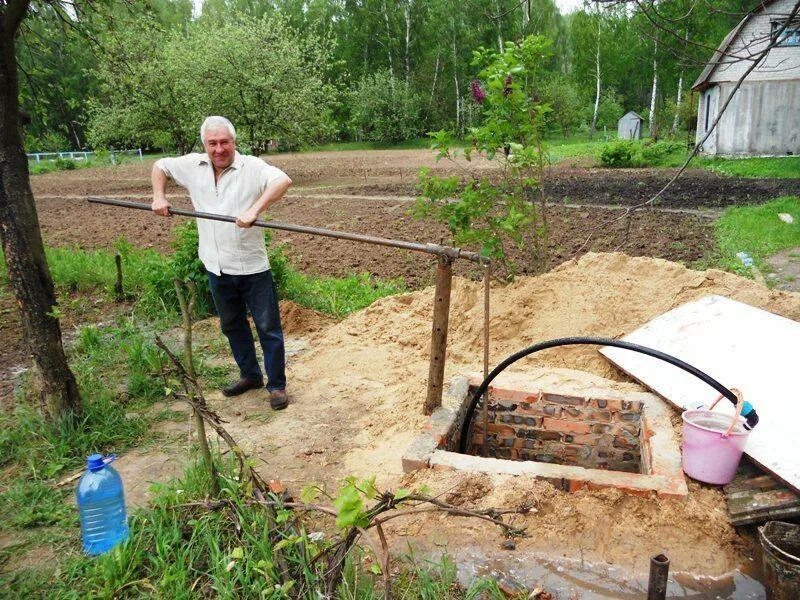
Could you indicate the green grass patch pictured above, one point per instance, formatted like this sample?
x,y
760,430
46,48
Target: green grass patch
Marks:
x,y
332,295
785,167
100,158
557,152
148,278
180,550
758,231
414,144
118,373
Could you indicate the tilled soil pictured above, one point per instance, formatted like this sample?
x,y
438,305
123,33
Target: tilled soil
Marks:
x,y
626,187
371,192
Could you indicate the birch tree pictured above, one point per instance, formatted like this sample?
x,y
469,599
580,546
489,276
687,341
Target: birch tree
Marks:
x,y
652,121
596,111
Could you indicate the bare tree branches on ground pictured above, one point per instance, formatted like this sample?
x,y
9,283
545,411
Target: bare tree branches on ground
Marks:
x,y
385,506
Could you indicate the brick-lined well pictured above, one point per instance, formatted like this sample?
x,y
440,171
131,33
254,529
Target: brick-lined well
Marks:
x,y
596,433
580,437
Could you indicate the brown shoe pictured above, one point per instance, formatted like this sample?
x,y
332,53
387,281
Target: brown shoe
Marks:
x,y
241,386
278,399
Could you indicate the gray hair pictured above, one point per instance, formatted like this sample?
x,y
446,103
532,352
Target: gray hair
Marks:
x,y
216,122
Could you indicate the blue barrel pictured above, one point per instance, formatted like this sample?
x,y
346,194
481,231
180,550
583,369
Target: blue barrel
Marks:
x,y
101,505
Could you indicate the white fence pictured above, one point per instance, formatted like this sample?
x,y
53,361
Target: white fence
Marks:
x,y
81,155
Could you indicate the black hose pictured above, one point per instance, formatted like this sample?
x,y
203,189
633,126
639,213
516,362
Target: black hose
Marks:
x,y
751,417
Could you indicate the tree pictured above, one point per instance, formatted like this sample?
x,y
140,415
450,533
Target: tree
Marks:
x,y
278,94
158,86
386,109
148,96
564,99
28,273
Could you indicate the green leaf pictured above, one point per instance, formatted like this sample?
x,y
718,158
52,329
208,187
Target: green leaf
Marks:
x,y
237,553
401,494
375,568
350,507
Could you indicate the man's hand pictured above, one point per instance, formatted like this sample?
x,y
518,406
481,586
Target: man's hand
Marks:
x,y
246,219
161,207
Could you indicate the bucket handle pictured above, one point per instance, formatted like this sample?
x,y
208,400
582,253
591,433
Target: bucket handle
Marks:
x,y
737,415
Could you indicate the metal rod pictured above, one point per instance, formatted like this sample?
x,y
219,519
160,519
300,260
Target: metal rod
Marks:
x,y
342,235
487,272
659,572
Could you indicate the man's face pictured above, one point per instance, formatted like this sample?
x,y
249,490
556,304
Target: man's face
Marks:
x,y
220,147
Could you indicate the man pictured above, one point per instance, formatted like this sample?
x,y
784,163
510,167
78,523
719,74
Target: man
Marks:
x,y
223,181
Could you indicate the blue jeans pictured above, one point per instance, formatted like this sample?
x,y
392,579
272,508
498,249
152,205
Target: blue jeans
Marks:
x,y
233,296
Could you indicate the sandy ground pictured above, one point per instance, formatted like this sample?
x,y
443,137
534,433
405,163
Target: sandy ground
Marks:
x,y
357,388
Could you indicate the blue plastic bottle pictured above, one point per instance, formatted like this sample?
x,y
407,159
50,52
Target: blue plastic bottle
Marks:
x,y
101,505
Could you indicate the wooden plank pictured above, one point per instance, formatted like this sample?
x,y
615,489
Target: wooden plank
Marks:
x,y
740,346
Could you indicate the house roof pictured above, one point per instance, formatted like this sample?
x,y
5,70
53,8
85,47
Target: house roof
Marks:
x,y
722,50
635,114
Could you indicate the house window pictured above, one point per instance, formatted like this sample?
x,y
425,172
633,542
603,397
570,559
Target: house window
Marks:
x,y
790,36
708,109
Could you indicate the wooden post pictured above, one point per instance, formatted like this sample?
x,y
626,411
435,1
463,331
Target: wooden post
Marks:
x,y
441,315
119,292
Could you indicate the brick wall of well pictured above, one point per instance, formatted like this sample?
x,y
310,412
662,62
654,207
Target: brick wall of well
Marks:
x,y
595,433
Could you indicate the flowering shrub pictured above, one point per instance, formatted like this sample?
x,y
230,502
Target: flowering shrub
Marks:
x,y
490,213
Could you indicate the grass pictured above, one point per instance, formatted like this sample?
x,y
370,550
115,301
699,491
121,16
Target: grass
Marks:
x,y
335,296
178,550
99,159
413,144
558,151
758,231
786,167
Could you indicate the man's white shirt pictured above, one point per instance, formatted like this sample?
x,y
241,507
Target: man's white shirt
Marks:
x,y
224,247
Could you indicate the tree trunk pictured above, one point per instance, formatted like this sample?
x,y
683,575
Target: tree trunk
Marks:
x,y
455,82
388,38
499,23
28,273
679,98
678,101
596,112
526,14
652,122
408,39
435,77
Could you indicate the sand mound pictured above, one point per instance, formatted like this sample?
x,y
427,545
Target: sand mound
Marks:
x,y
299,320
357,395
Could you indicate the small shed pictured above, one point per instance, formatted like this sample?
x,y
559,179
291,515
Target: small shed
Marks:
x,y
629,127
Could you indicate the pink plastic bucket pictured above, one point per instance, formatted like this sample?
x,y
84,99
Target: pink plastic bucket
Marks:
x,y
712,445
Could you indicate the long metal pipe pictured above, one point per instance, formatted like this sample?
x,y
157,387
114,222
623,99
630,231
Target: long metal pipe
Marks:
x,y
436,249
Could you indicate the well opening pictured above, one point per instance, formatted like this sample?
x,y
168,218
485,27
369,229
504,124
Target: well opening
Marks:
x,y
558,427
594,433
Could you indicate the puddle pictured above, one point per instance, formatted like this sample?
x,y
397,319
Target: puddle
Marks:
x,y
571,579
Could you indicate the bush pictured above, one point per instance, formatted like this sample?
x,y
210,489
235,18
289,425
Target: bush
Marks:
x,y
630,153
617,154
386,109
184,264
653,154
64,164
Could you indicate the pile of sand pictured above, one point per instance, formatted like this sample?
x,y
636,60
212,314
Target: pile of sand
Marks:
x,y
358,392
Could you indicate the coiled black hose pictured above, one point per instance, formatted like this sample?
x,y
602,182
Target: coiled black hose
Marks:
x,y
750,415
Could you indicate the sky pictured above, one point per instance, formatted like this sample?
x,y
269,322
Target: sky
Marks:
x,y
568,6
